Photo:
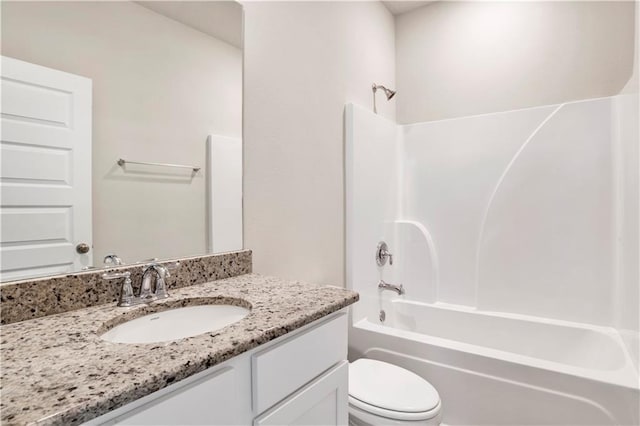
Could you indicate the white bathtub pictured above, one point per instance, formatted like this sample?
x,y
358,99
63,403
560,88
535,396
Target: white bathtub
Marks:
x,y
494,368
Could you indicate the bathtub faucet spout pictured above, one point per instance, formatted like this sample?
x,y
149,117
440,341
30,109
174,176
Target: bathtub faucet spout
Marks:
x,y
386,286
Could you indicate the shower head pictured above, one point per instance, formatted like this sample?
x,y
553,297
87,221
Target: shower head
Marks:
x,y
388,93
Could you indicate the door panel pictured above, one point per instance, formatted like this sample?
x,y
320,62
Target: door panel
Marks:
x,y
35,163
35,224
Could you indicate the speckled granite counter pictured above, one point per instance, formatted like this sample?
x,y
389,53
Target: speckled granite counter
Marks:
x,y
56,370
39,297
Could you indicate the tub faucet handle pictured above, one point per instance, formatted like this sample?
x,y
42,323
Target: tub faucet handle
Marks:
x,y
383,253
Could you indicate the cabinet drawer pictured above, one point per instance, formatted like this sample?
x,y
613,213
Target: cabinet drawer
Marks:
x,y
286,367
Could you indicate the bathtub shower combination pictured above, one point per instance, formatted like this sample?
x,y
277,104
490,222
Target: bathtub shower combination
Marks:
x,y
515,237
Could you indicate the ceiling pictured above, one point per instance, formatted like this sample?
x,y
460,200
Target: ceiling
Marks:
x,y
222,19
398,7
219,19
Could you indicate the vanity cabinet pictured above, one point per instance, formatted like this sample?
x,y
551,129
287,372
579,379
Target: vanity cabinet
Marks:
x,y
298,379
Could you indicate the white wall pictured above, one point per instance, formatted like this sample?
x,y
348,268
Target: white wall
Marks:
x,y
464,58
159,88
303,62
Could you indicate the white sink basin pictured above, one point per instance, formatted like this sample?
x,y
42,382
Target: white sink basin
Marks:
x,y
175,324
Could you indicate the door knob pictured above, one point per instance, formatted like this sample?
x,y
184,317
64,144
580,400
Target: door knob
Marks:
x,y
83,248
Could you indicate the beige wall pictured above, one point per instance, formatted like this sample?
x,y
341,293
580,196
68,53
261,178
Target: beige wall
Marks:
x,y
303,62
464,58
159,88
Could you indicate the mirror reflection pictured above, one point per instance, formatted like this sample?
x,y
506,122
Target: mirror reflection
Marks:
x,y
121,133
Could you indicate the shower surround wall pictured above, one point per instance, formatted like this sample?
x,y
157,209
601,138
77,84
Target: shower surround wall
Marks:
x,y
523,212
520,208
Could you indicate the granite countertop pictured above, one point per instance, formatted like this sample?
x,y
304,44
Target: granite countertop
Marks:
x,y
56,369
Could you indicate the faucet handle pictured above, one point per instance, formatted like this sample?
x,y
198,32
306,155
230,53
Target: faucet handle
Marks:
x,y
382,253
126,293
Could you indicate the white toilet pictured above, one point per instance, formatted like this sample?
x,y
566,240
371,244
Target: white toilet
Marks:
x,y
385,394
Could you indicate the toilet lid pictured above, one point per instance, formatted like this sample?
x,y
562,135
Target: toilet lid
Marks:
x,y
390,387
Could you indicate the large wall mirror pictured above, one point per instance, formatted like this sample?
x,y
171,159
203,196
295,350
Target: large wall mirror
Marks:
x,y
121,133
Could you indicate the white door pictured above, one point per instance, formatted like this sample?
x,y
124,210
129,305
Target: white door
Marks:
x,y
45,171
323,402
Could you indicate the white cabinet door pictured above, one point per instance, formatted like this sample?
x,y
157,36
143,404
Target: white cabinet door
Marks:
x,y
283,368
322,402
45,175
212,400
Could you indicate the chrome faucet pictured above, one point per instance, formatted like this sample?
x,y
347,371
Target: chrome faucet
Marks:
x,y
386,286
161,272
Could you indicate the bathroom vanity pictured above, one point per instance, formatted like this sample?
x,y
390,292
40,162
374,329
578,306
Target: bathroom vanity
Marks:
x,y
300,378
283,363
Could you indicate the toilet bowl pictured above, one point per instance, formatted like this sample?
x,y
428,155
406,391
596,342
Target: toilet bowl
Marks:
x,y
385,394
